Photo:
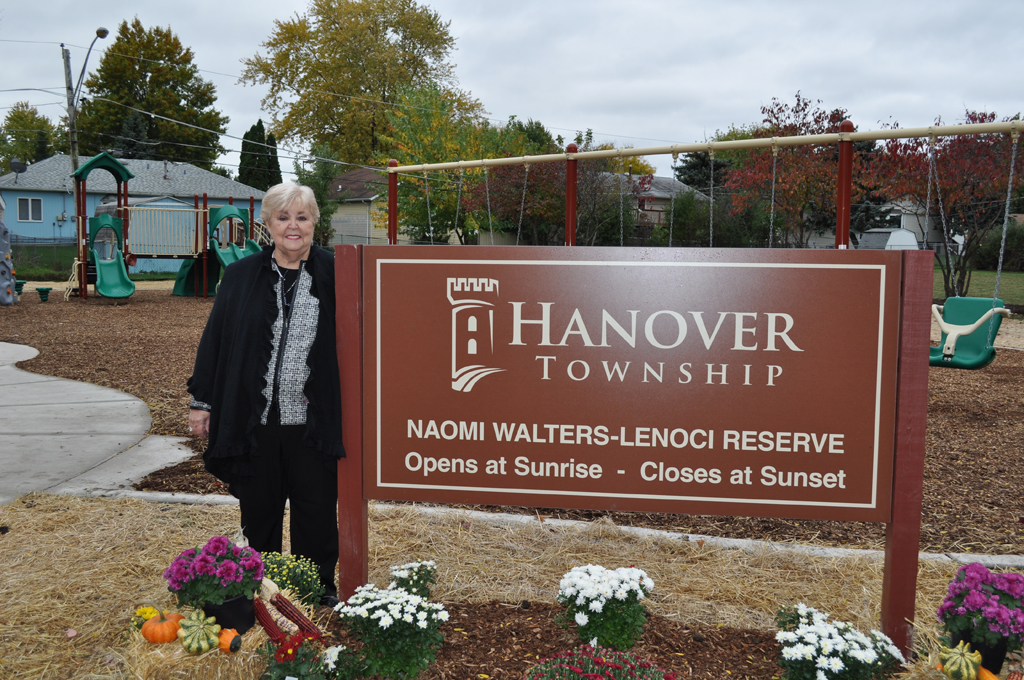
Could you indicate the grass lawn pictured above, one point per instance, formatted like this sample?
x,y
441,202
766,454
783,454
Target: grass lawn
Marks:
x,y
1011,286
153,276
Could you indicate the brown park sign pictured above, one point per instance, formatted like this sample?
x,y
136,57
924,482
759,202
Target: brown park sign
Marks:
x,y
727,382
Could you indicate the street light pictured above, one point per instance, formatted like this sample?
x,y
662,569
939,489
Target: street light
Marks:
x,y
75,92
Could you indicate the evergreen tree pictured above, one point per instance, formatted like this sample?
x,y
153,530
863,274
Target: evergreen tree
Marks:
x,y
134,141
273,165
42,148
252,167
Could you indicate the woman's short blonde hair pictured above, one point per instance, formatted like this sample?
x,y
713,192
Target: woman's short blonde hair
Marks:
x,y
283,195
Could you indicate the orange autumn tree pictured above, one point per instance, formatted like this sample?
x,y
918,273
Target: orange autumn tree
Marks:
x,y
972,171
805,184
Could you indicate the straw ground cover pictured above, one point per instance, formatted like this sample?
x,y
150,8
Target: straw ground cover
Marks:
x,y
76,569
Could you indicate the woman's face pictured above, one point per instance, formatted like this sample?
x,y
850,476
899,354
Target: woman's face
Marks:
x,y
291,229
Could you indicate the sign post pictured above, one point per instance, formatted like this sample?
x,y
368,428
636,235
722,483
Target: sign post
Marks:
x,y
774,383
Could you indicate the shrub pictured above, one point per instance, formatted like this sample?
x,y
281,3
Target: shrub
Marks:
x,y
814,648
605,604
297,574
415,577
399,631
987,257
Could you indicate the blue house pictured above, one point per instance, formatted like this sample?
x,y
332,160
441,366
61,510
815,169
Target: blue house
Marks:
x,y
40,201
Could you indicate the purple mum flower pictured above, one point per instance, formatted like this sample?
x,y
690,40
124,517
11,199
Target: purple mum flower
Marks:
x,y
217,546
229,573
204,565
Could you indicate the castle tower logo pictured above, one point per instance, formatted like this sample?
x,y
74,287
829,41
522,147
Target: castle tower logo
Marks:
x,y
473,301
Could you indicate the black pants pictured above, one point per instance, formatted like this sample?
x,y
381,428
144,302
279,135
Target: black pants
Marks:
x,y
288,470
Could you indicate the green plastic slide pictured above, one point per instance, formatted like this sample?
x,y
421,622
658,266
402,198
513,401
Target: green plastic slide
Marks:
x,y
112,276
185,281
233,253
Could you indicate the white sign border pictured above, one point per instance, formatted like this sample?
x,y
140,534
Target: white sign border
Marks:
x,y
881,268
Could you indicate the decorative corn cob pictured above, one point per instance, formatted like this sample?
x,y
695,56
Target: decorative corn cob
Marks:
x,y
266,620
268,589
285,606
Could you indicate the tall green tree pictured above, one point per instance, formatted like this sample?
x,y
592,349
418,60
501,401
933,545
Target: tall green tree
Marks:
x,y
134,141
149,69
317,175
26,135
258,166
273,164
252,163
334,72
434,124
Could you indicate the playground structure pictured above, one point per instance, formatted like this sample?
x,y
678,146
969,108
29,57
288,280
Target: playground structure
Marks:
x,y
959,318
109,244
8,295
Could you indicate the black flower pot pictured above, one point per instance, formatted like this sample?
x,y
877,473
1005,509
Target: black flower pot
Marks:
x,y
992,657
238,613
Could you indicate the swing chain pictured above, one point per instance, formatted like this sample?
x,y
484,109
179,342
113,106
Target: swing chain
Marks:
x,y
771,214
487,188
430,225
1006,224
934,169
711,205
621,227
458,199
522,202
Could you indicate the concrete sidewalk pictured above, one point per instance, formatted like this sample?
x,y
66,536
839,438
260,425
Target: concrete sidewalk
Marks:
x,y
72,437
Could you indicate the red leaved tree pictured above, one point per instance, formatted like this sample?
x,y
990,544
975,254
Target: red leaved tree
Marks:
x,y
972,171
805,184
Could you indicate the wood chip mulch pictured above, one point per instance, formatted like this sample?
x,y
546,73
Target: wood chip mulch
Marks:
x,y
499,640
973,475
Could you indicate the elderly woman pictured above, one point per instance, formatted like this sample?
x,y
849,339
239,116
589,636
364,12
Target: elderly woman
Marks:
x,y
265,388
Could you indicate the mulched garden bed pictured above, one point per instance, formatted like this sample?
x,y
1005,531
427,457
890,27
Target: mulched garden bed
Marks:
x,y
499,640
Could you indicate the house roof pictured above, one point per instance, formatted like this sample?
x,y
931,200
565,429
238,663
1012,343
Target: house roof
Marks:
x,y
361,184
151,178
142,201
667,187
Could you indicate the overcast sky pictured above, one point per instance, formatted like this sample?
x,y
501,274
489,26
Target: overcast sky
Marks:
x,y
637,72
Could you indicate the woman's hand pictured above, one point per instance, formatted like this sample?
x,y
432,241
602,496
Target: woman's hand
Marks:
x,y
199,422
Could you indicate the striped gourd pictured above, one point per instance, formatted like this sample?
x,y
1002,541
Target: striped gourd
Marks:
x,y
199,632
960,663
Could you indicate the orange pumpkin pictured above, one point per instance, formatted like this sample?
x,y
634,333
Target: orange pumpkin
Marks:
x,y
229,641
986,674
162,628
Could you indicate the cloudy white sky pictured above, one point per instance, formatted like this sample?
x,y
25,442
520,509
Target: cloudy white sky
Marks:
x,y
637,72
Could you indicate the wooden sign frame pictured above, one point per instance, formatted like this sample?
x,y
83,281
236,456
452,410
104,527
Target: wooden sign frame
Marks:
x,y
902,532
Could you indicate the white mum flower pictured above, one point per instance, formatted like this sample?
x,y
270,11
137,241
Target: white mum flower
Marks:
x,y
386,621
835,664
596,605
582,619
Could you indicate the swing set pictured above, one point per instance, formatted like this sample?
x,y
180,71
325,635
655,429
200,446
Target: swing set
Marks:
x,y
960,319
